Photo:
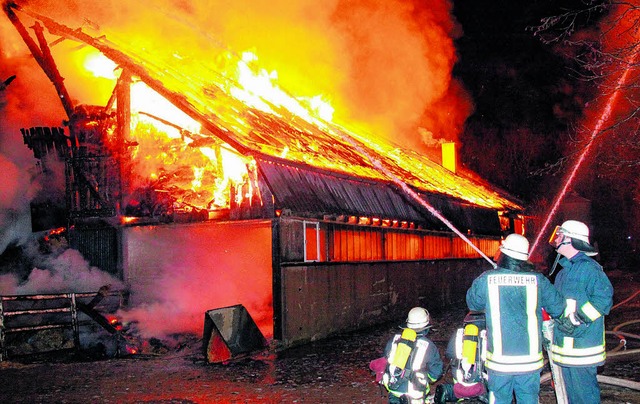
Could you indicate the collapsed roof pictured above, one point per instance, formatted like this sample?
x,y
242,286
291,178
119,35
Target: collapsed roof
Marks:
x,y
289,138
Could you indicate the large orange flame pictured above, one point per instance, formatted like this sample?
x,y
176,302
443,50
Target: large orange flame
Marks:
x,y
245,112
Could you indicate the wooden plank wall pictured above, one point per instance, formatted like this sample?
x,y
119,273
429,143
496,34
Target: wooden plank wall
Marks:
x,y
323,299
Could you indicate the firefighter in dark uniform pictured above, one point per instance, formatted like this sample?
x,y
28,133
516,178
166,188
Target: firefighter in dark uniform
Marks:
x,y
512,297
413,361
589,296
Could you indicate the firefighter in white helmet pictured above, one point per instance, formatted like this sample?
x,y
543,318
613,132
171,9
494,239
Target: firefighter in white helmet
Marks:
x,y
411,361
589,296
512,297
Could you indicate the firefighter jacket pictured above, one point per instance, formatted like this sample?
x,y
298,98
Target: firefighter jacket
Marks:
x,y
512,297
413,362
589,293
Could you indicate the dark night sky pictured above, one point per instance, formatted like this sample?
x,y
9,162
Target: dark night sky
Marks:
x,y
528,104
524,96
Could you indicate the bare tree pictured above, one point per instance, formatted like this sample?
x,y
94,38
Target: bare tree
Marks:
x,y
603,39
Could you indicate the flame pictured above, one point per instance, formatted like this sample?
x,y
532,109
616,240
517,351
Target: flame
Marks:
x,y
165,135
259,89
100,65
144,99
174,160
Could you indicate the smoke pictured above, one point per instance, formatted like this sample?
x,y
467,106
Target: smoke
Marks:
x,y
183,271
15,193
58,269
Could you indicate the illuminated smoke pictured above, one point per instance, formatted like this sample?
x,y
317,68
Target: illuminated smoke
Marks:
x,y
61,271
196,268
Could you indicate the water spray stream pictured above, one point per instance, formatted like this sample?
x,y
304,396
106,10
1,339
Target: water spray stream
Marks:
x,y
606,114
411,193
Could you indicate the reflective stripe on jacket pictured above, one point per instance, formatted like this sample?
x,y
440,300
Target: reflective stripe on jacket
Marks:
x,y
512,300
583,281
426,365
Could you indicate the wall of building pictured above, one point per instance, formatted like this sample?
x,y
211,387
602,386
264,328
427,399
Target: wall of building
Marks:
x,y
321,299
177,272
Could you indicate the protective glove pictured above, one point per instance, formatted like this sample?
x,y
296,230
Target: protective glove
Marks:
x,y
583,317
564,325
575,319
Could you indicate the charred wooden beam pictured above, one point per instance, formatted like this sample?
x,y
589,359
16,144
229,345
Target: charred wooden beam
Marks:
x,y
42,55
6,83
44,141
97,317
102,293
123,132
137,70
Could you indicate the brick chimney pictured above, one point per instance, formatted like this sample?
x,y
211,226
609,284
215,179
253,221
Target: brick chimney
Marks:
x,y
449,158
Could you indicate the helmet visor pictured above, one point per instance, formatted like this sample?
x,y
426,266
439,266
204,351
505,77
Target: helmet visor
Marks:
x,y
556,237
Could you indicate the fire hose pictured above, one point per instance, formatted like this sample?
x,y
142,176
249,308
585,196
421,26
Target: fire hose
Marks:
x,y
408,191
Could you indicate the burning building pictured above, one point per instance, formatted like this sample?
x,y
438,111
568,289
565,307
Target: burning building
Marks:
x,y
195,181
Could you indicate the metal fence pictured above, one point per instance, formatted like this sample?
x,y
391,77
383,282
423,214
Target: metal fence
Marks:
x,y
24,316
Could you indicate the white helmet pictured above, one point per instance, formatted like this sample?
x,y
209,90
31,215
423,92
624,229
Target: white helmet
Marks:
x,y
418,318
579,234
515,246
575,229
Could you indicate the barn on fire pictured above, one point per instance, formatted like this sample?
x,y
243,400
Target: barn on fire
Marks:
x,y
313,228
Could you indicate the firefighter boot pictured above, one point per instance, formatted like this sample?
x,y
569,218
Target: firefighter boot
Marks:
x,y
444,394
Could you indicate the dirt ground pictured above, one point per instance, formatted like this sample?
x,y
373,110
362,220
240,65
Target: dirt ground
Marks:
x,y
334,370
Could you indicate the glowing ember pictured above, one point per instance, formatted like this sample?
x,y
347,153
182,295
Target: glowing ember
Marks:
x,y
114,322
131,350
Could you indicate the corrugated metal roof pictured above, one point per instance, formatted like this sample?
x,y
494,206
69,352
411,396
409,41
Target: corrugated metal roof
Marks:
x,y
465,216
305,190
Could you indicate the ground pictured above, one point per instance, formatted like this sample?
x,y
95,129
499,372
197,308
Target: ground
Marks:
x,y
334,370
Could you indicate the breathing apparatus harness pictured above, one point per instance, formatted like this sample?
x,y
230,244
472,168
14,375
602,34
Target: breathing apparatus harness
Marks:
x,y
407,353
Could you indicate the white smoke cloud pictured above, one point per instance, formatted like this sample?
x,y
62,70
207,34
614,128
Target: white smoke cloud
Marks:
x,y
61,271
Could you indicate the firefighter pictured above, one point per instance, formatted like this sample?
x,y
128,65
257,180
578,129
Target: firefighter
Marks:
x,y
589,296
412,361
512,297
466,360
